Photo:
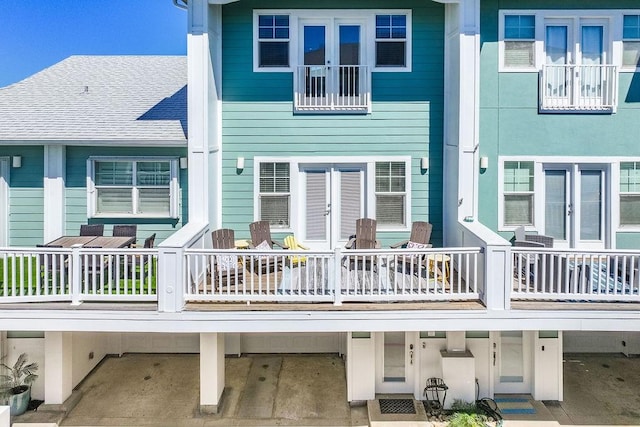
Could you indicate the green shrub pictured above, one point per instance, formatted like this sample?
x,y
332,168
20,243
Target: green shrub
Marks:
x,y
460,419
464,407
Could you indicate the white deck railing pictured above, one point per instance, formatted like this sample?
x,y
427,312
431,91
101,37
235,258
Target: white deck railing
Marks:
x,y
345,88
579,88
331,276
551,274
77,274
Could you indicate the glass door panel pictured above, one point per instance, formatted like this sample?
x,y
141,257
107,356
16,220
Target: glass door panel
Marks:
x,y
314,52
591,205
558,82
349,57
394,368
511,364
555,204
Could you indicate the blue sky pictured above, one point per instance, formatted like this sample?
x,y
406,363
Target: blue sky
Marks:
x,y
35,34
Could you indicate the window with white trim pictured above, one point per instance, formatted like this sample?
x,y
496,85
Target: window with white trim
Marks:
x,y
391,40
383,38
630,193
391,193
273,41
146,188
519,41
275,194
631,41
518,193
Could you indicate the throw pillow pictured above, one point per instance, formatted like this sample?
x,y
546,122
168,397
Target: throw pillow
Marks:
x,y
414,245
227,262
263,246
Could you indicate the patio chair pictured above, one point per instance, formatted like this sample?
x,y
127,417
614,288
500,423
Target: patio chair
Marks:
x,y
227,270
365,238
520,236
138,261
261,232
290,242
51,264
92,229
420,235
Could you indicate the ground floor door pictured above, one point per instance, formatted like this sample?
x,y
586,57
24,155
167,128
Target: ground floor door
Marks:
x,y
396,361
4,201
512,361
333,198
575,205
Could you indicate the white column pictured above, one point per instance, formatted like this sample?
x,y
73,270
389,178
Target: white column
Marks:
x,y
58,367
211,371
54,191
361,367
5,418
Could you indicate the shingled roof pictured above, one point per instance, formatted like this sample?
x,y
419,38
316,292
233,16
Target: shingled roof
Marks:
x,y
99,99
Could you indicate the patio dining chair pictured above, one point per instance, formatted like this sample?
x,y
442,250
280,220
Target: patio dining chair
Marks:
x,y
92,229
365,238
261,239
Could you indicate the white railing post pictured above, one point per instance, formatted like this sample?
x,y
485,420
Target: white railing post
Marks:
x,y
171,280
337,276
497,281
76,274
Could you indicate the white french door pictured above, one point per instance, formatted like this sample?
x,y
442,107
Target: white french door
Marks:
x,y
4,201
575,212
333,198
331,53
395,362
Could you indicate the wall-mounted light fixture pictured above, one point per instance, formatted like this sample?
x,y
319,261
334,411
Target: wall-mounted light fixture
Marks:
x,y
424,163
484,162
184,162
16,161
240,163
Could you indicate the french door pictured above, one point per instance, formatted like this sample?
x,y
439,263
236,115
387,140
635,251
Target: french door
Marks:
x,y
574,205
331,57
4,202
333,199
576,53
395,362
511,360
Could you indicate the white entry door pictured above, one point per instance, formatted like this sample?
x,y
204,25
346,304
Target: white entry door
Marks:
x,y
396,358
574,204
333,199
511,359
4,202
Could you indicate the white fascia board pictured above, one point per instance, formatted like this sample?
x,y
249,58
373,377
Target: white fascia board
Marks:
x,y
222,1
261,322
99,142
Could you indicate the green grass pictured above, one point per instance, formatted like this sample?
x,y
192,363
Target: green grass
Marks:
x,y
23,270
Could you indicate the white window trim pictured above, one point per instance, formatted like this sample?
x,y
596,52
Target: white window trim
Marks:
x,y
405,193
612,187
296,202
612,43
259,194
627,68
366,16
174,187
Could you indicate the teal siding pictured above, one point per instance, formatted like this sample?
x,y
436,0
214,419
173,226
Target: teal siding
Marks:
x,y
407,115
76,192
511,125
26,195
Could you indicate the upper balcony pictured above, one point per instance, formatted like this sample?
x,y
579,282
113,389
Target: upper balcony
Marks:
x,y
332,89
579,88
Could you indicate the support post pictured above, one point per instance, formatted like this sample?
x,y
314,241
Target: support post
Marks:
x,y
54,191
211,371
76,274
58,382
337,276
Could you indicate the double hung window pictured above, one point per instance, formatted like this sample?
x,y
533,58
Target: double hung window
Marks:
x,y
275,194
631,41
273,41
518,190
519,41
630,193
391,40
128,187
391,193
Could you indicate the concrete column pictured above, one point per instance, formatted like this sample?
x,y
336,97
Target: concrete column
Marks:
x,y
361,367
58,367
54,191
211,371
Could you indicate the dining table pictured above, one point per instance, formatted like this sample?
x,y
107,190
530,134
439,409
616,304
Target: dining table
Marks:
x,y
92,241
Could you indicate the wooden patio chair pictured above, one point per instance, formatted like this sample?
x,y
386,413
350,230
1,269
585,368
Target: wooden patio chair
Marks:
x,y
92,229
261,232
420,234
227,270
365,238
